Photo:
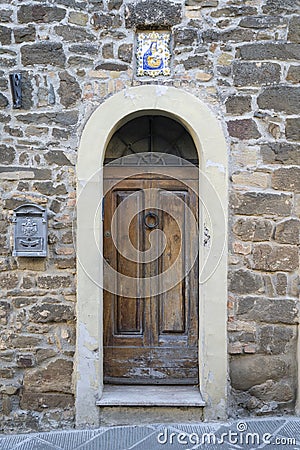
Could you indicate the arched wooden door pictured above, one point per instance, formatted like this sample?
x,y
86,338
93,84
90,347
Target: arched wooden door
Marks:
x,y
151,329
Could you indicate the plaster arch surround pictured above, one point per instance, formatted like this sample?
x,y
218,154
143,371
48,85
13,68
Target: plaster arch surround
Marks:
x,y
209,139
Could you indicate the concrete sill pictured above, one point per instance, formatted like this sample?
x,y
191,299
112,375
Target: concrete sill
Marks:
x,y
140,395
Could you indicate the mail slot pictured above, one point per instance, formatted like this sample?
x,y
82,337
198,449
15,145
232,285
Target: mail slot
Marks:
x,y
30,231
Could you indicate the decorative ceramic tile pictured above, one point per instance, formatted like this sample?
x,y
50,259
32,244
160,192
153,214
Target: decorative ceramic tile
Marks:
x,y
153,53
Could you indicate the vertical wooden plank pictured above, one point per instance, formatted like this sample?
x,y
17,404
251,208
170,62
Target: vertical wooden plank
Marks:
x,y
128,304
172,302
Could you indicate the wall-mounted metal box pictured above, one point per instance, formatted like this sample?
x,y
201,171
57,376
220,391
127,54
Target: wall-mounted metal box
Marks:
x,y
30,231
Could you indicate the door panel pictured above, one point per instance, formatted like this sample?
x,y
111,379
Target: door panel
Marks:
x,y
172,303
152,338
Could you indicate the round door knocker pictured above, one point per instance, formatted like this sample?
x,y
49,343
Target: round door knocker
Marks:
x,y
151,220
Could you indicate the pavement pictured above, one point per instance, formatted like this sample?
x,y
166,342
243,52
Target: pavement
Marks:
x,y
266,433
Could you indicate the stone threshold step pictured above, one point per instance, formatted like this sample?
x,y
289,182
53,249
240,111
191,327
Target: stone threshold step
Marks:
x,y
117,395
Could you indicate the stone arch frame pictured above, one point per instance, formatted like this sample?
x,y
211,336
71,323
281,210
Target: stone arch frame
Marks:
x,y
206,130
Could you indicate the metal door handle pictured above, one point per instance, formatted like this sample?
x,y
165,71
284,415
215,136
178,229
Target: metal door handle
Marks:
x,y
150,224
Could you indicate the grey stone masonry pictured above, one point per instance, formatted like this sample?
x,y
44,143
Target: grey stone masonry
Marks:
x,y
240,58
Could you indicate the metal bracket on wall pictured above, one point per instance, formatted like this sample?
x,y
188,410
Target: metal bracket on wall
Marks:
x,y
16,89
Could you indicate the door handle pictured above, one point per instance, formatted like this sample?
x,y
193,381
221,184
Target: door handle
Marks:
x,y
151,220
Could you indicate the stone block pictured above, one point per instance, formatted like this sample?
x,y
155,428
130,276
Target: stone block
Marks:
x,y
24,34
243,155
251,179
108,50
259,203
54,281
271,259
281,284
79,61
78,18
69,90
102,21
247,371
255,230
74,34
24,341
268,310
55,377
280,153
40,14
270,51
42,354
6,372
9,389
125,52
75,4
280,98
9,280
43,53
293,75
245,282
23,302
294,29
286,179
243,129
7,154
271,391
35,264
238,104
288,232
111,66
28,282
64,118
65,263
4,118
43,402
202,3
195,62
154,14
260,22
294,286
57,157
203,76
6,15
47,188
255,74
185,36
114,4
84,49
292,129
3,101
234,11
276,7
4,312
5,35
25,360
276,339
234,35
51,312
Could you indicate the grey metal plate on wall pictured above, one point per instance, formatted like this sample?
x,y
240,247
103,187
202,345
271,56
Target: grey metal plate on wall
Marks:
x,y
30,231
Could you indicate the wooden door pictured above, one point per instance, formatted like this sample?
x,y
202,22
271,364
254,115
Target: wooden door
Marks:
x,y
151,336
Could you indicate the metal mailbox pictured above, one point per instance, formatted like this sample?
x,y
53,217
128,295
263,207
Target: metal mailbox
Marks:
x,y
30,231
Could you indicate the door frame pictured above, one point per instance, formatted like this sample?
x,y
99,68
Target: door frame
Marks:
x,y
206,131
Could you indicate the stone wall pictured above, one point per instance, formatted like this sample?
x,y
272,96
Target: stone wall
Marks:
x,y
242,59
